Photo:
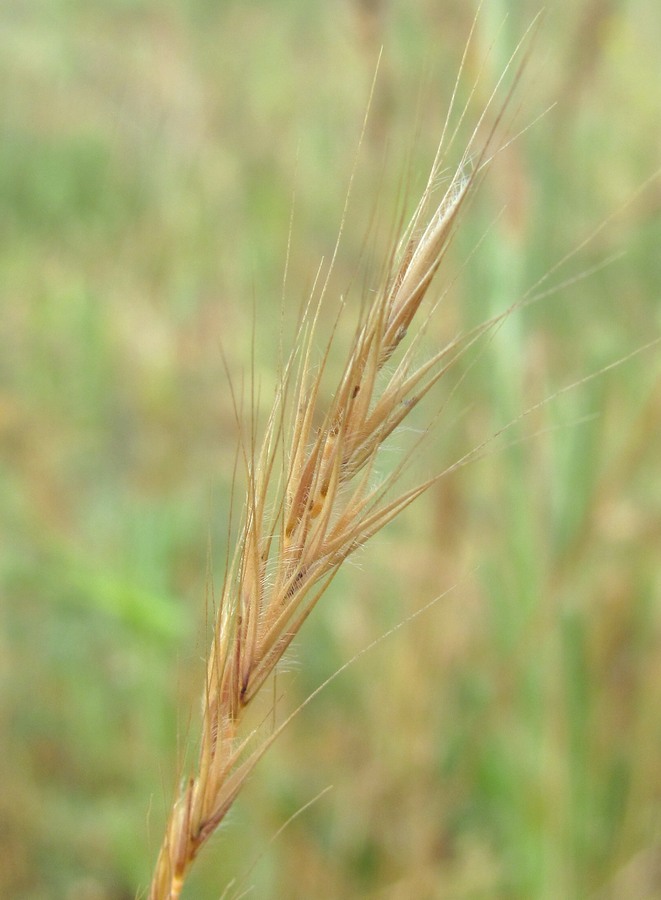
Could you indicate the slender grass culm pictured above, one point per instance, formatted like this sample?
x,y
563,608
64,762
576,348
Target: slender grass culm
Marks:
x,y
314,495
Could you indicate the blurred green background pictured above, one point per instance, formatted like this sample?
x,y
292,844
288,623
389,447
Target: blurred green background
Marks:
x,y
506,743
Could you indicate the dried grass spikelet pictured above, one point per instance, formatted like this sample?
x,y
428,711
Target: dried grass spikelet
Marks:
x,y
312,500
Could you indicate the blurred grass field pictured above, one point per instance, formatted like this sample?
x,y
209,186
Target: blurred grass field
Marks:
x,y
506,743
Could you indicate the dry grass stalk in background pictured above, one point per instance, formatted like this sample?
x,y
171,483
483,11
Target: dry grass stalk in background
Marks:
x,y
312,500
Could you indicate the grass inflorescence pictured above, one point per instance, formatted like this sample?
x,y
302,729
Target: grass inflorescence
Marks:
x,y
314,497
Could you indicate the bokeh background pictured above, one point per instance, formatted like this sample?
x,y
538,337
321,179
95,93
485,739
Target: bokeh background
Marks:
x,y
506,742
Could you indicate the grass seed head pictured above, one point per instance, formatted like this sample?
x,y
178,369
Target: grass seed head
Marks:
x,y
312,500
